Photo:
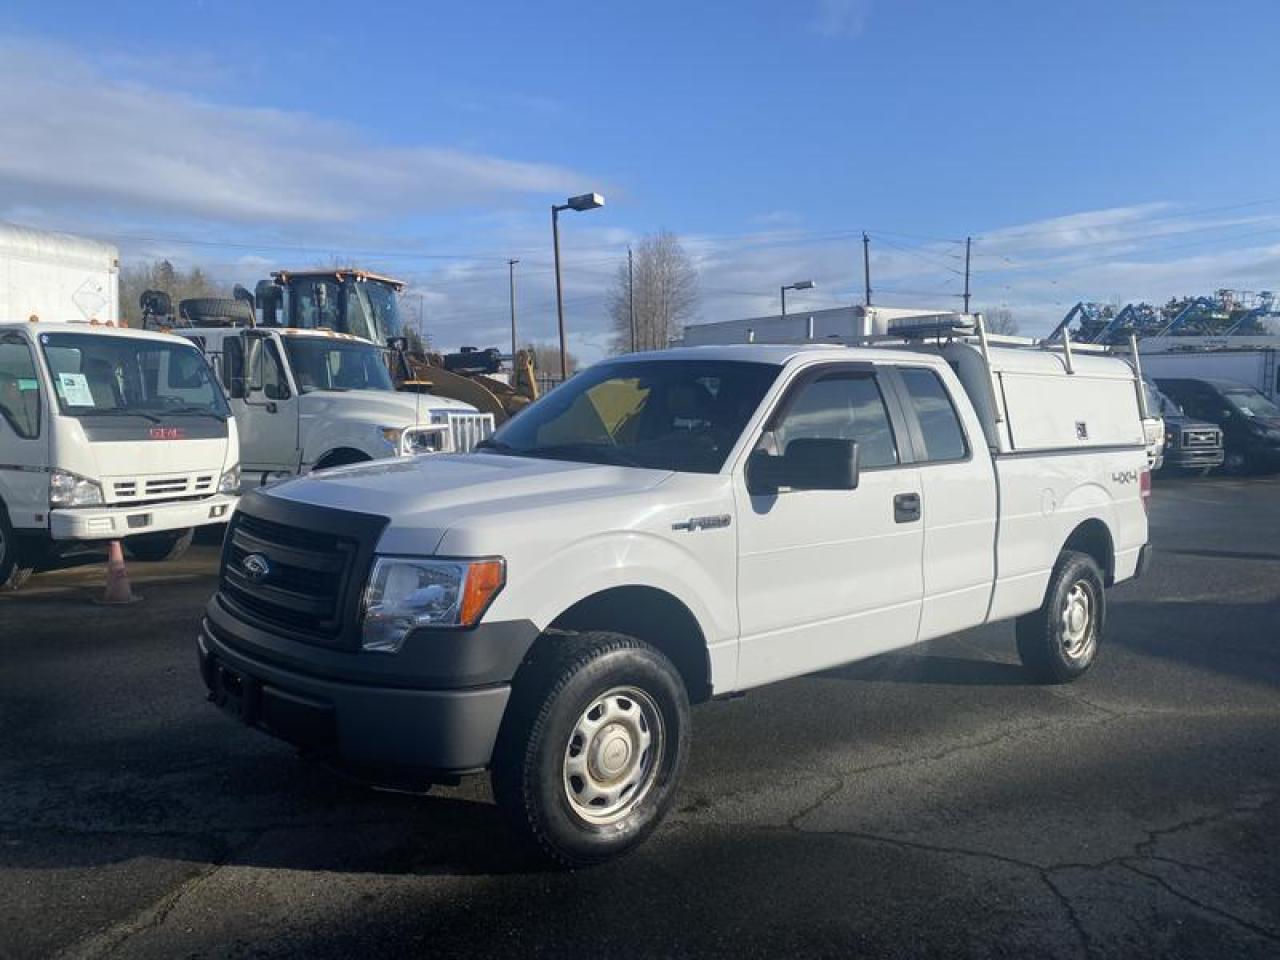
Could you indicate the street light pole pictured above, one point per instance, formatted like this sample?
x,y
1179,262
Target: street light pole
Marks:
x,y
586,201
555,239
631,297
798,285
511,271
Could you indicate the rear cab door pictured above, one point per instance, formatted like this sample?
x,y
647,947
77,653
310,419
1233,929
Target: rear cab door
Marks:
x,y
958,494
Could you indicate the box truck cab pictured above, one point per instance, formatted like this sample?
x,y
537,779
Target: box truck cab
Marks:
x,y
668,527
108,434
313,399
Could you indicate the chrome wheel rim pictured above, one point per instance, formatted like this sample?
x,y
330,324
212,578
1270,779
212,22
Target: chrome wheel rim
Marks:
x,y
611,759
1079,633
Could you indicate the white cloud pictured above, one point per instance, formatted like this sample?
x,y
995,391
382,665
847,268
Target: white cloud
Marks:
x,y
842,18
75,136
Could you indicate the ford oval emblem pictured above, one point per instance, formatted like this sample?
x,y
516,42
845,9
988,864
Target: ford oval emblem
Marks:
x,y
256,567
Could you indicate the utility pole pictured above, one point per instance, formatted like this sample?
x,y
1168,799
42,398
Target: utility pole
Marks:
x,y
511,273
866,268
968,242
631,297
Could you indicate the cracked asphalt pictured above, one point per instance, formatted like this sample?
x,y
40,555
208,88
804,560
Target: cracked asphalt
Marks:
x,y
931,803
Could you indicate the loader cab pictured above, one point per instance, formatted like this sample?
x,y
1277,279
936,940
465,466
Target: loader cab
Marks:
x,y
354,302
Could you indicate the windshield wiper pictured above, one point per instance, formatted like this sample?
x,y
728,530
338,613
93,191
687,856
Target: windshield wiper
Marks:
x,y
199,411
496,446
588,452
117,412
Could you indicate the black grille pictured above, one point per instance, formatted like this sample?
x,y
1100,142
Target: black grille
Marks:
x,y
1201,438
308,587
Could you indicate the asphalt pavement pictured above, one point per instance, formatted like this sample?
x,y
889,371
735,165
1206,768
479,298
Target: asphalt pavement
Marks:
x,y
931,803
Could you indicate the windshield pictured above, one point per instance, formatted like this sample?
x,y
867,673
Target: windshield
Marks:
x,y
373,311
1251,403
1160,405
322,364
681,415
96,374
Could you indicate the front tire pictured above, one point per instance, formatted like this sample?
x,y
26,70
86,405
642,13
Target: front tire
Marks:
x,y
16,566
1059,642
593,745
158,547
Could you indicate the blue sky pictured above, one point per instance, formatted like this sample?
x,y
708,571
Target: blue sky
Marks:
x,y
1094,150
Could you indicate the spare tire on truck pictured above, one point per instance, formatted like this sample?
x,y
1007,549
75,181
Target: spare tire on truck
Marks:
x,y
216,312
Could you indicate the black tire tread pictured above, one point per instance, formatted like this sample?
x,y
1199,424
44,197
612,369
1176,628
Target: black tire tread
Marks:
x,y
17,568
1034,631
549,670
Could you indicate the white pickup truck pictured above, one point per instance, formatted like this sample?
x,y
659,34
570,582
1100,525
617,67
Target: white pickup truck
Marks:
x,y
312,399
662,529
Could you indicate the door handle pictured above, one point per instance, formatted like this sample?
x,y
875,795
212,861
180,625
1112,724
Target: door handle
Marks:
x,y
906,508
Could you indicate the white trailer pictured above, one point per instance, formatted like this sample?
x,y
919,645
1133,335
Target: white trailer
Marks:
x,y
57,276
1248,360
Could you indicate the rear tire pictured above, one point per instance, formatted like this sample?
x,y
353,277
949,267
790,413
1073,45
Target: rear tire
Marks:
x,y
16,564
159,547
593,744
1059,642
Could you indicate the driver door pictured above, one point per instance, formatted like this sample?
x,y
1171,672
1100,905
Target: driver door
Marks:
x,y
830,576
266,409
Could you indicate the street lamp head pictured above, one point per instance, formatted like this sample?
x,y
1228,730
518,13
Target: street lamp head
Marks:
x,y
802,285
587,201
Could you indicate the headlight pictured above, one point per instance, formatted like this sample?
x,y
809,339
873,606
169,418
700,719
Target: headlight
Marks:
x,y
70,490
1168,441
405,593
230,482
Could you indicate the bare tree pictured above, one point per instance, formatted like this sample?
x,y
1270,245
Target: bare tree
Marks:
x,y
161,275
1000,320
665,293
546,359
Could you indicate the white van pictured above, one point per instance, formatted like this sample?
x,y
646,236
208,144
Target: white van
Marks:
x,y
108,434
312,399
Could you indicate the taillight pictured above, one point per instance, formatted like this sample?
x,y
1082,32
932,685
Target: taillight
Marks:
x,y
1144,487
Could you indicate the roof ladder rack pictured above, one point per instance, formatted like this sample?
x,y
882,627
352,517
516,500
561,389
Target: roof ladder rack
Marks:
x,y
981,326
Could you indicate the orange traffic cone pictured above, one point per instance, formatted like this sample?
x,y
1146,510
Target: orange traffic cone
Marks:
x,y
118,590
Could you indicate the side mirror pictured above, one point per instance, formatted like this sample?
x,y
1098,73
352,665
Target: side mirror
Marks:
x,y
807,464
252,364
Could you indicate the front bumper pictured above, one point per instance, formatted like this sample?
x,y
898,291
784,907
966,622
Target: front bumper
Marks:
x,y
112,523
377,731
1192,458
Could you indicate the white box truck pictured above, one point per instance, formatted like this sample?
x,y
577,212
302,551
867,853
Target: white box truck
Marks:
x,y
57,276
665,528
108,434
1248,360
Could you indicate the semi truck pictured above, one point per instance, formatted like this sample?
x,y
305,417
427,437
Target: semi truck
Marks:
x,y
108,434
667,528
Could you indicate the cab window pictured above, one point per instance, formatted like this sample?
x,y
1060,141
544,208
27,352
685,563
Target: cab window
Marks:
x,y
943,436
840,406
19,387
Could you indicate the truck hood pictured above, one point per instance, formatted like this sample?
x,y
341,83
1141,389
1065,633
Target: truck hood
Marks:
x,y
395,409
428,495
